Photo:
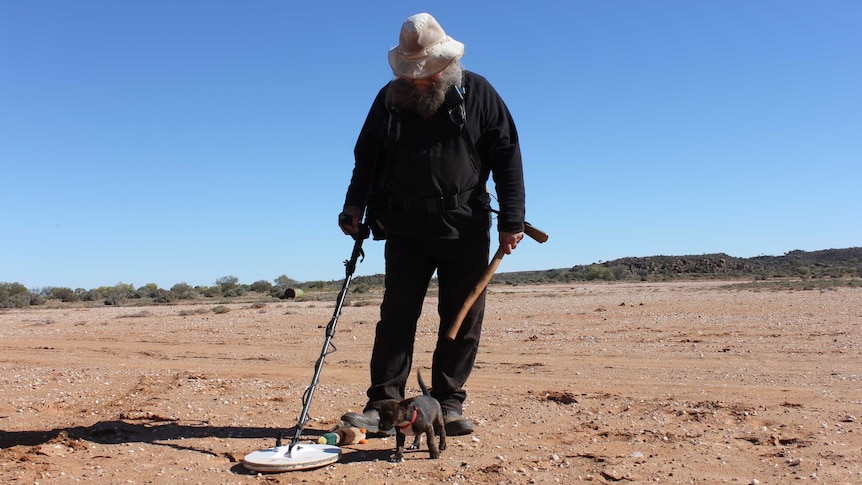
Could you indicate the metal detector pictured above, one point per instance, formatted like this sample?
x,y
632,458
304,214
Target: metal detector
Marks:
x,y
302,456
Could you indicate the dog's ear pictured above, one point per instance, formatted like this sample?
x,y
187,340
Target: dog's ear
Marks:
x,y
390,404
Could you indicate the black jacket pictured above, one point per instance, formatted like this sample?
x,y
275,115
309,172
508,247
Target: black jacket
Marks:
x,y
421,163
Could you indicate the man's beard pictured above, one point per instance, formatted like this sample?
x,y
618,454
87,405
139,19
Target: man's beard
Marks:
x,y
403,94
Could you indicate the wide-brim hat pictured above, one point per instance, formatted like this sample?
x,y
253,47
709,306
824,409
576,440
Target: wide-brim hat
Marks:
x,y
423,48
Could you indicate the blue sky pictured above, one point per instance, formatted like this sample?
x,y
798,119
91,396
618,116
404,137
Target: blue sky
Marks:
x,y
165,142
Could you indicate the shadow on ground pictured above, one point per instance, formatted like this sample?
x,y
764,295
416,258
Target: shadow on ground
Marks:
x,y
166,433
150,431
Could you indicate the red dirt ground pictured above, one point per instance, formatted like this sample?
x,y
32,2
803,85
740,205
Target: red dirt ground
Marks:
x,y
695,382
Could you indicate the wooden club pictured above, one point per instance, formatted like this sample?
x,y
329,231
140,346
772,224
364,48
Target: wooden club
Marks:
x,y
538,235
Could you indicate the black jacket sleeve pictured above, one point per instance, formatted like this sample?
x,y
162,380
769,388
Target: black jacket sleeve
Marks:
x,y
367,150
493,130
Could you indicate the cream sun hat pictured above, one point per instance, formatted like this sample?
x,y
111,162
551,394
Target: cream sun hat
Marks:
x,y
423,48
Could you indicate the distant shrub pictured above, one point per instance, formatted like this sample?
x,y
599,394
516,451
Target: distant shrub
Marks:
x,y
261,286
163,296
285,281
620,272
150,290
599,272
118,294
64,294
234,292
193,311
15,295
361,288
184,291
36,298
229,285
221,309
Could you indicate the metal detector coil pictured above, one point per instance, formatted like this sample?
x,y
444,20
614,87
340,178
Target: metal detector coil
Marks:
x,y
291,457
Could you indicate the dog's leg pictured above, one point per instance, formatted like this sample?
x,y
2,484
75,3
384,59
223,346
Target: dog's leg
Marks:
x,y
399,447
417,442
432,445
440,428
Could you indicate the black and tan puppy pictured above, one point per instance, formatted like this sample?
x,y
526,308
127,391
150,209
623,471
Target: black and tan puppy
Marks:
x,y
413,417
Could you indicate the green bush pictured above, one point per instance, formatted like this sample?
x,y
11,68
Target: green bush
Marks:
x,y
118,294
285,281
163,296
599,272
261,286
14,295
64,294
150,290
227,284
184,291
221,309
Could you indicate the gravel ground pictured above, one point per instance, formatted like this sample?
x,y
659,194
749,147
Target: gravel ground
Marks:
x,y
695,382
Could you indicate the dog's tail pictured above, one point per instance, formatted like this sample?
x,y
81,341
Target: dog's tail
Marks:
x,y
422,384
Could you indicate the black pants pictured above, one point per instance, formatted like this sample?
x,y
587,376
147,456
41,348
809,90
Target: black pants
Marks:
x,y
410,264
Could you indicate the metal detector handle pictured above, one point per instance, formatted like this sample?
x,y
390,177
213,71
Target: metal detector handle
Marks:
x,y
345,219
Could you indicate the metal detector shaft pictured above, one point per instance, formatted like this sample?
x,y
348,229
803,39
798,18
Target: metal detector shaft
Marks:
x,y
328,347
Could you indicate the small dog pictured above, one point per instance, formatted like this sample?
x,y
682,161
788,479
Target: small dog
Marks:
x,y
412,417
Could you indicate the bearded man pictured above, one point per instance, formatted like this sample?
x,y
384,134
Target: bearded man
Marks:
x,y
431,140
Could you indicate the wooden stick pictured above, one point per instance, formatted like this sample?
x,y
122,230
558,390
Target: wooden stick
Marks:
x,y
475,292
537,234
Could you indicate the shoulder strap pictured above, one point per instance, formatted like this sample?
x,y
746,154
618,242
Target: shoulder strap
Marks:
x,y
454,101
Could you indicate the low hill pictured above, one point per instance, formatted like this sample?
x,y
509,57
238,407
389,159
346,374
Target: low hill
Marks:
x,y
828,263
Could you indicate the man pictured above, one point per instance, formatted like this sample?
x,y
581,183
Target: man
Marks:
x,y
426,182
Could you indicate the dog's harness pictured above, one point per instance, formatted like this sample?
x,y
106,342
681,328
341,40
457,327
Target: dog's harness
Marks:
x,y
413,420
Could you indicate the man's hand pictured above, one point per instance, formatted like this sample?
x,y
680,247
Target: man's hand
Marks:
x,y
348,220
509,241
